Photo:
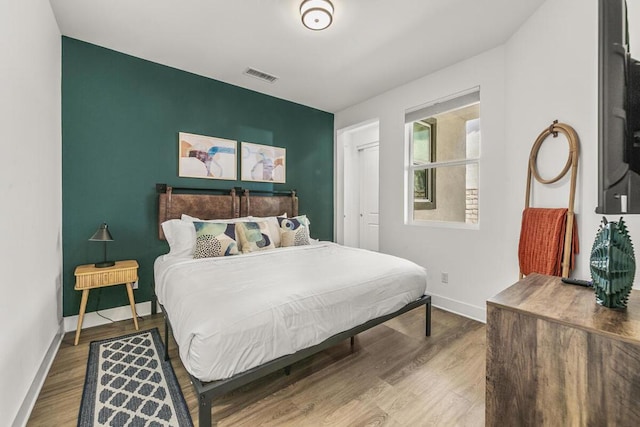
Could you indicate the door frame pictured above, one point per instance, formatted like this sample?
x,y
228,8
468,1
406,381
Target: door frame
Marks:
x,y
348,141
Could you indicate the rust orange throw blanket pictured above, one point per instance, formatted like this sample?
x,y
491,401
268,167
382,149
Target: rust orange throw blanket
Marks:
x,y
542,241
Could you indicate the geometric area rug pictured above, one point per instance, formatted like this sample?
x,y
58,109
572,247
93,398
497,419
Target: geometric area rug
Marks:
x,y
128,383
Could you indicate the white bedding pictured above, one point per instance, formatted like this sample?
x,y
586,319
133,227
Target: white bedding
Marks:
x,y
233,313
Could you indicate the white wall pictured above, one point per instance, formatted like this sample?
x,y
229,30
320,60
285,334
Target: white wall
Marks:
x,y
552,73
472,257
547,70
30,185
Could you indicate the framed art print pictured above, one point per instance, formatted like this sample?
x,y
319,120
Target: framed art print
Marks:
x,y
263,163
207,157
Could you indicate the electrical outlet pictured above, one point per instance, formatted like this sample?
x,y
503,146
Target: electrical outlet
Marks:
x,y
444,278
134,285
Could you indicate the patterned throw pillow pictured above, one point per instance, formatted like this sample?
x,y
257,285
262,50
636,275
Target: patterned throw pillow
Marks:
x,y
274,227
294,231
214,239
254,236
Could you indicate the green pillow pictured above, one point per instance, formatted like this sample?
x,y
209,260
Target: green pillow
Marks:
x,y
215,239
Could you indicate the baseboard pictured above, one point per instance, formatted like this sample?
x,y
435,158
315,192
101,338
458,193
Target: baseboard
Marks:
x,y
115,314
461,308
34,391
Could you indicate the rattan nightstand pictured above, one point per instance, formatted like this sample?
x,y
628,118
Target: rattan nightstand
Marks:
x,y
90,277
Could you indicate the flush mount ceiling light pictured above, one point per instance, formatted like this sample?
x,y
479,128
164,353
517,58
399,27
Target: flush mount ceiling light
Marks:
x,y
316,14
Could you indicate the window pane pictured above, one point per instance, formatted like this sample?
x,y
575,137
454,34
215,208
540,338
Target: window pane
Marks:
x,y
423,186
420,184
471,194
457,191
473,138
421,143
453,134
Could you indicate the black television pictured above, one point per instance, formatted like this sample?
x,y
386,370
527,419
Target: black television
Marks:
x,y
618,114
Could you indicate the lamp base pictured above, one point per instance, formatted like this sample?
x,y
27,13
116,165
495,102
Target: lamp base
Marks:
x,y
104,264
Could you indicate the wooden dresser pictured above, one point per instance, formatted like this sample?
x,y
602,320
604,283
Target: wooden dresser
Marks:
x,y
556,358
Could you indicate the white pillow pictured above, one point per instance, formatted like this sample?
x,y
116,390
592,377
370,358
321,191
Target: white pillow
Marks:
x,y
181,236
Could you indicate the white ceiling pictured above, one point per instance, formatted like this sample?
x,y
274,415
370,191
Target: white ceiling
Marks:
x,y
372,46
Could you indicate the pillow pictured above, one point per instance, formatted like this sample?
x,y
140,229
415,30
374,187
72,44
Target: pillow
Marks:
x,y
294,231
254,236
214,239
181,237
274,226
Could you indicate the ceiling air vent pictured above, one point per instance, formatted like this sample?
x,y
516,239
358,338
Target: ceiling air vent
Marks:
x,y
260,75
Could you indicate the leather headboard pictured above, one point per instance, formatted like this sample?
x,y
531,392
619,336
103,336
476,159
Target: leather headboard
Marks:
x,y
172,204
268,205
203,206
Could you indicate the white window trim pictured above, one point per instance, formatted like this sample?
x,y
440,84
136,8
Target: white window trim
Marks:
x,y
410,167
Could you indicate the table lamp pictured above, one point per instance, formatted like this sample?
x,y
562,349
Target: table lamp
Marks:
x,y
103,235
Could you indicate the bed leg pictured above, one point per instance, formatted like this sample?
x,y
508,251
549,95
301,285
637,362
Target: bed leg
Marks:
x,y
428,319
204,413
287,370
166,338
353,341
154,298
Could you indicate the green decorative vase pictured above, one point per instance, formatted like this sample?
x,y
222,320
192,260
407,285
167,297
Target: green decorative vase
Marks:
x,y
613,264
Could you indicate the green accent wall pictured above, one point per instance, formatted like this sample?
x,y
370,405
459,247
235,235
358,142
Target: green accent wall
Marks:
x,y
120,121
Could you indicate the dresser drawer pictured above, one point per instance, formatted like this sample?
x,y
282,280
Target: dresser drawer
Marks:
x,y
96,278
88,277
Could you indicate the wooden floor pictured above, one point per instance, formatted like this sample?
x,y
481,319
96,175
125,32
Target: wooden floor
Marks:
x,y
394,376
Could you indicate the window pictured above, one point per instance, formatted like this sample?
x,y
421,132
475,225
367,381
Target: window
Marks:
x,y
443,143
423,144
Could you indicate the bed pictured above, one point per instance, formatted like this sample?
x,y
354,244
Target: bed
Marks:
x,y
238,318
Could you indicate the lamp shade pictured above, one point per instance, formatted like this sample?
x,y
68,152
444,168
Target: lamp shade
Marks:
x,y
316,14
102,235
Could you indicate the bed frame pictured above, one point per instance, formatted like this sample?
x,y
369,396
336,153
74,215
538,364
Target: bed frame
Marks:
x,y
235,203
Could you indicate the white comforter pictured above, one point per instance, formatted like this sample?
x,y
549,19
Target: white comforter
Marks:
x,y
233,313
